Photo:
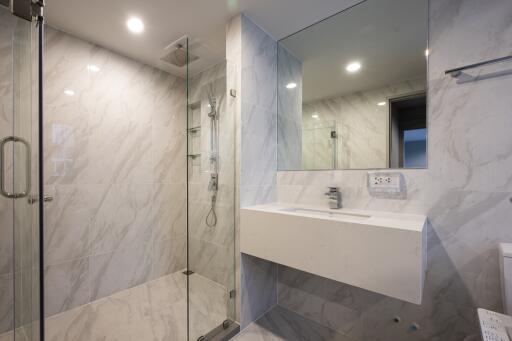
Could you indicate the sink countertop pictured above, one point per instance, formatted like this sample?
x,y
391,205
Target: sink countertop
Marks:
x,y
406,221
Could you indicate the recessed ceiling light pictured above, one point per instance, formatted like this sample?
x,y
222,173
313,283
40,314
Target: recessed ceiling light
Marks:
x,y
353,67
381,104
315,116
69,92
427,52
135,25
291,85
93,68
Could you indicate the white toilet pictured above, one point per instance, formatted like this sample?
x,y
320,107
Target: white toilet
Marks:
x,y
506,276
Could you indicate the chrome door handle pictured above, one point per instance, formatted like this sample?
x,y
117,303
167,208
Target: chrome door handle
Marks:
x,y
28,184
32,199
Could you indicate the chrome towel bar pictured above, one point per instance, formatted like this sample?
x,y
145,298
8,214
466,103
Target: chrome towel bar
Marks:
x,y
457,71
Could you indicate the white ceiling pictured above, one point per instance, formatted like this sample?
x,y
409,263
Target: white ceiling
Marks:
x,y
103,22
388,37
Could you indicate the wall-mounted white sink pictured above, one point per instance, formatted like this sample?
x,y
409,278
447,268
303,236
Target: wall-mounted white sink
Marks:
x,y
378,251
334,214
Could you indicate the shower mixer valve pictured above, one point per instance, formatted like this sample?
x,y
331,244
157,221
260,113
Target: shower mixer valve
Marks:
x,y
213,185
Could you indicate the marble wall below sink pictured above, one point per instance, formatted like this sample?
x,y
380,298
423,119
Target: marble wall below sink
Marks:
x,y
465,192
115,164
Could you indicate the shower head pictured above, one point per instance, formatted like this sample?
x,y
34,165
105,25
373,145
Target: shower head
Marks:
x,y
177,54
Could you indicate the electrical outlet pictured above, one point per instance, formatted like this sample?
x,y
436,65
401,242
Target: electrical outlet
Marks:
x,y
384,181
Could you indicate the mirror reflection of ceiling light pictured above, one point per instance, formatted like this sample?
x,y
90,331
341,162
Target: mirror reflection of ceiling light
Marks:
x,y
135,25
353,67
381,104
315,116
291,85
427,52
69,92
93,68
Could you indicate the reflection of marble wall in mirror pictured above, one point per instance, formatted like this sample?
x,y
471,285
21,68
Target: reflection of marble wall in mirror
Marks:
x,y
344,69
289,133
363,126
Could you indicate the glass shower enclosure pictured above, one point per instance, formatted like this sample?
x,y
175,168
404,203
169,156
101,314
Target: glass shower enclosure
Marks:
x,y
20,286
139,204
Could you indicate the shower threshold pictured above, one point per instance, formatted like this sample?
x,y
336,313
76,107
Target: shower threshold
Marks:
x,y
223,332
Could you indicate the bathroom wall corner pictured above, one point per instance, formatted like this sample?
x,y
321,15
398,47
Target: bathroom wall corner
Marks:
x,y
252,73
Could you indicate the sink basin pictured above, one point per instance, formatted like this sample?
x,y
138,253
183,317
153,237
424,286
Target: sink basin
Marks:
x,y
335,214
382,252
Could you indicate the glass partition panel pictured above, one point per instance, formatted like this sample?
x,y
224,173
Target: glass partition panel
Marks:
x,y
211,229
19,199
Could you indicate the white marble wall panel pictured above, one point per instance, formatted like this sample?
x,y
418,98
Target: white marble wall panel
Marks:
x,y
252,72
465,192
252,54
289,125
115,164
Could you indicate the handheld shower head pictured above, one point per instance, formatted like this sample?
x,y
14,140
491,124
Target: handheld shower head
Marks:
x,y
213,107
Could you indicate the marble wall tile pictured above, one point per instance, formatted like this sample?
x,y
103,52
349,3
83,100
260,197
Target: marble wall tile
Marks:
x,y
338,308
212,261
116,166
68,219
465,191
169,255
258,66
67,285
122,218
169,220
118,270
289,132
258,125
252,72
258,286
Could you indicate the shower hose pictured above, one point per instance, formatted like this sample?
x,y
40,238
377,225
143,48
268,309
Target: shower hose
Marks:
x,y
211,218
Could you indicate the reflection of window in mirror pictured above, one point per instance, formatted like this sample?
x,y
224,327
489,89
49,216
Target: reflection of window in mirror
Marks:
x,y
408,131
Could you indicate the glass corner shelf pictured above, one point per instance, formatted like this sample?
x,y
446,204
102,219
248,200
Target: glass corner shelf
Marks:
x,y
194,129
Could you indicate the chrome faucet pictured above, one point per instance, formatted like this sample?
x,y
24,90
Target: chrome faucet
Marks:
x,y
334,195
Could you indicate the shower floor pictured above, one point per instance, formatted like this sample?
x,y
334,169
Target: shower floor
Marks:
x,y
155,310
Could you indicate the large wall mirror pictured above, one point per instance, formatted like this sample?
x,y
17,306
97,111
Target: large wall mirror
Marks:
x,y
352,89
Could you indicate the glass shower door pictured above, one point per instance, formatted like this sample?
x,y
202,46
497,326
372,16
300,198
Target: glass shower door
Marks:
x,y
19,174
211,207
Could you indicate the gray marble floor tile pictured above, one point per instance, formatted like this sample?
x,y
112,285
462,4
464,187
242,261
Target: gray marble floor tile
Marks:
x,y
155,310
280,324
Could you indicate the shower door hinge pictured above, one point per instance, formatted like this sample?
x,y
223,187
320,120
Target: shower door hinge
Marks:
x,y
232,293
27,9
